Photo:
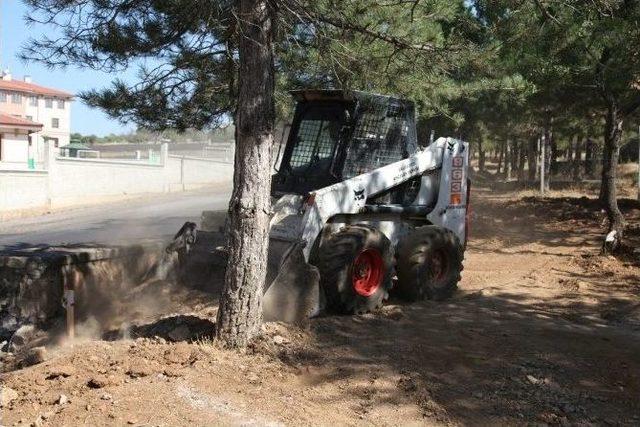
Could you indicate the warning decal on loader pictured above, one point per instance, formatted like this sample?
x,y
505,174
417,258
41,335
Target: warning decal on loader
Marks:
x,y
457,174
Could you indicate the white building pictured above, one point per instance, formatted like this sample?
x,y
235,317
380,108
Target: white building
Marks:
x,y
50,109
16,141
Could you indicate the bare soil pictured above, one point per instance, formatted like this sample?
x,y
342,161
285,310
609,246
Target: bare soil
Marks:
x,y
542,331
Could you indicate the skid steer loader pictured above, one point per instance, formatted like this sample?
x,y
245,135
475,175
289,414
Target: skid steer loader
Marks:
x,y
360,210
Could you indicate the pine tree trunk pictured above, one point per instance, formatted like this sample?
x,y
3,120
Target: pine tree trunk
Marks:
x,y
521,160
481,156
588,158
532,157
547,158
570,151
500,157
508,148
553,162
240,313
515,150
611,153
577,159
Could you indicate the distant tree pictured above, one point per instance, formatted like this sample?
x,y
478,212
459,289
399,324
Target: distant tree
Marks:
x,y
582,62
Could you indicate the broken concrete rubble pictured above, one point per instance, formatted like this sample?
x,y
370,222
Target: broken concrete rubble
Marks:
x,y
32,281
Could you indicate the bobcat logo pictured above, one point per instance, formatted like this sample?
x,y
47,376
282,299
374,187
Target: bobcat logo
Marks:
x,y
450,146
358,194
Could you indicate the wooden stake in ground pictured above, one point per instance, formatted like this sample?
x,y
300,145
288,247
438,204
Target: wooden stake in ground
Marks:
x,y
638,162
71,279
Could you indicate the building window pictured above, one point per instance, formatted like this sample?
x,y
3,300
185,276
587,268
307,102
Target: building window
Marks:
x,y
30,141
33,101
3,96
30,118
55,123
48,102
16,98
61,104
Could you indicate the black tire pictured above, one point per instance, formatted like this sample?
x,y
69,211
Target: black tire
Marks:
x,y
429,264
336,261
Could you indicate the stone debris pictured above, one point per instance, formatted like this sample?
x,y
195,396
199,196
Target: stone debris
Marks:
x,y
21,337
100,381
279,340
61,372
63,399
35,355
533,380
7,395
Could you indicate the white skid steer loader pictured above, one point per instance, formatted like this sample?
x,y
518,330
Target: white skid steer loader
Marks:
x,y
360,210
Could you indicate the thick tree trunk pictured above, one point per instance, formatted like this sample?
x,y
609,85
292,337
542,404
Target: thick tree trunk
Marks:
x,y
240,313
611,153
532,157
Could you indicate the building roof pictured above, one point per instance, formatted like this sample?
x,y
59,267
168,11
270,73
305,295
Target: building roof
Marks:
x,y
18,122
32,88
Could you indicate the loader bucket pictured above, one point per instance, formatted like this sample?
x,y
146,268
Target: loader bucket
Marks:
x,y
292,287
292,290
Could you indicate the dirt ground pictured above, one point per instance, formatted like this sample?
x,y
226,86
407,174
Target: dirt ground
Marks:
x,y
542,331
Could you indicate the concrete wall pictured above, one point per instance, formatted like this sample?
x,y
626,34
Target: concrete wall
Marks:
x,y
185,172
71,181
23,189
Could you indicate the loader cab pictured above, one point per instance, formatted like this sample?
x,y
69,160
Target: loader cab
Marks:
x,y
336,135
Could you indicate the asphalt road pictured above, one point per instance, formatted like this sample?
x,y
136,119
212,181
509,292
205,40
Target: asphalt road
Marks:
x,y
136,220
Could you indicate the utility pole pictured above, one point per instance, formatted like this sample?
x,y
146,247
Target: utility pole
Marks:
x,y
542,163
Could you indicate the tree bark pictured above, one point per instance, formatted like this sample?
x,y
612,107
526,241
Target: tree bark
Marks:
x,y
521,160
546,162
553,162
500,157
611,153
589,154
481,156
240,313
577,159
532,157
508,148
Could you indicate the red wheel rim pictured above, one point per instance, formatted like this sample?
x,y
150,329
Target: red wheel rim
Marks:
x,y
366,272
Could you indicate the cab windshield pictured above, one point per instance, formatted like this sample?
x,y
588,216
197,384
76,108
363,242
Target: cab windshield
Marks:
x,y
315,139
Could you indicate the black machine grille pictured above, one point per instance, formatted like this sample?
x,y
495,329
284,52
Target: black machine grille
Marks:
x,y
315,142
384,133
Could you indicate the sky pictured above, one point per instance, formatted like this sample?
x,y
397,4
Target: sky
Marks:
x,y
14,33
